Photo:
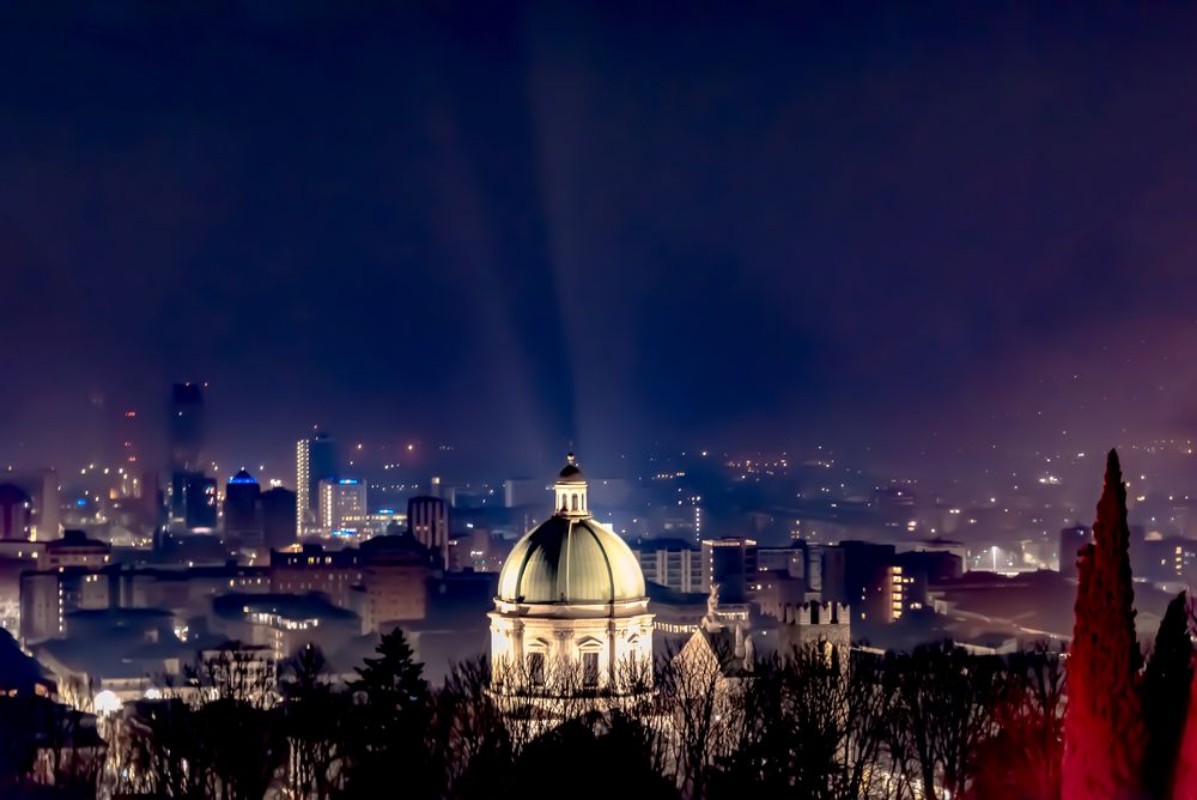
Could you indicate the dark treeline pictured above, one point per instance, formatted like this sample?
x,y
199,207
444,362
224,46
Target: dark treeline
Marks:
x,y
823,723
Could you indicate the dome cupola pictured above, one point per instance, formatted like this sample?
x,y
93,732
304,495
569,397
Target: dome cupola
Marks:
x,y
570,490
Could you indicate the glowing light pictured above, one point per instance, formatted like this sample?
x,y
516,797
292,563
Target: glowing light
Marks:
x,y
106,702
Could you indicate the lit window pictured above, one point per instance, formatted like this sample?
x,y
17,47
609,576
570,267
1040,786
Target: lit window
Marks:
x,y
536,668
590,669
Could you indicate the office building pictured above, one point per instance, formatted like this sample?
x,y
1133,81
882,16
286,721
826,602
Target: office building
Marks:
x,y
518,492
341,500
200,503
394,588
242,509
675,563
730,562
186,431
1072,539
47,597
47,522
315,461
75,549
867,577
311,568
278,518
428,524
15,508
186,427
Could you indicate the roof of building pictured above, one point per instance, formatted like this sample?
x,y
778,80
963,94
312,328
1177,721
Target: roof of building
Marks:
x,y
243,477
390,547
312,605
655,543
571,560
10,493
73,538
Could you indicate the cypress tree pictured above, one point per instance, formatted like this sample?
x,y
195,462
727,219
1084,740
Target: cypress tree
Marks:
x,y
1103,728
1166,696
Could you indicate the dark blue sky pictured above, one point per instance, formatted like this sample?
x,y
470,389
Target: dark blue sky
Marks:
x,y
515,225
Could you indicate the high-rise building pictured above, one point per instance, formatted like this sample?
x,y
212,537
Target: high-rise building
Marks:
x,y
200,503
242,513
129,449
730,562
428,523
315,461
278,518
340,500
186,426
185,433
48,521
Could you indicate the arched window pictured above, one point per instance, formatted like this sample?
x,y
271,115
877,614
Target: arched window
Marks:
x,y
575,502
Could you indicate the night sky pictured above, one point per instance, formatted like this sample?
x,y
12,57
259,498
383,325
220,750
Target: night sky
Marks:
x,y
505,227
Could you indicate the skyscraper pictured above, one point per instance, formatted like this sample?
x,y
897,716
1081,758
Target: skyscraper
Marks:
x,y
186,426
428,522
315,461
185,430
242,515
200,502
278,518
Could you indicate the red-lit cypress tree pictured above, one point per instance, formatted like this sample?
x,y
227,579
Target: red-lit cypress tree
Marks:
x,y
1103,729
1184,777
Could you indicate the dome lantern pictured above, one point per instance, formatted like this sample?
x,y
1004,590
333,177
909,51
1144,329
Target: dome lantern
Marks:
x,y
570,491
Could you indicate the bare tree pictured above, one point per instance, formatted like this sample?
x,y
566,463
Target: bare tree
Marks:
x,y
312,716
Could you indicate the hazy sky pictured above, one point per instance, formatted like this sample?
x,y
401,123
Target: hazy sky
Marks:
x,y
515,226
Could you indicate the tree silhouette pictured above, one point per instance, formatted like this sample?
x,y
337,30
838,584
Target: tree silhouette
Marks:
x,y
313,715
1166,682
391,722
1022,758
1104,735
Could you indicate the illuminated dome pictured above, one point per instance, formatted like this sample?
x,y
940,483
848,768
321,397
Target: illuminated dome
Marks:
x,y
571,616
572,561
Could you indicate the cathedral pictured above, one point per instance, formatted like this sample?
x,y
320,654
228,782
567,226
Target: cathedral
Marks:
x,y
571,619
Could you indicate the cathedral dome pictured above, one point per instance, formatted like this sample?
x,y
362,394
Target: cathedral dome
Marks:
x,y
570,560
